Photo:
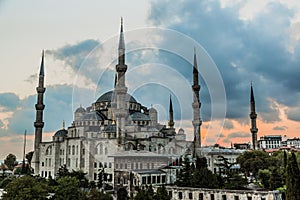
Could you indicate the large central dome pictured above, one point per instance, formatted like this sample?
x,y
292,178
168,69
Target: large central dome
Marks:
x,y
108,97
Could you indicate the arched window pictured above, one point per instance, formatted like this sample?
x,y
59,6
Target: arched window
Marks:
x,y
73,150
76,149
101,148
105,151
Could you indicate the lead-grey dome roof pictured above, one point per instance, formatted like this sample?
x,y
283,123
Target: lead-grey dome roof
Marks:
x,y
137,116
80,110
61,133
108,96
93,116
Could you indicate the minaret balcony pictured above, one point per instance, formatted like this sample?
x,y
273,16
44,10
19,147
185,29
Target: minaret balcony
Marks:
x,y
39,106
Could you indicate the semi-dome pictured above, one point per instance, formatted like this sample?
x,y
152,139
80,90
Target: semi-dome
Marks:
x,y
80,110
152,110
61,133
108,96
137,116
93,116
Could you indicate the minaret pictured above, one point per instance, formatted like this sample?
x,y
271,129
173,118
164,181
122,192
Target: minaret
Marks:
x,y
39,124
196,105
253,117
171,119
121,111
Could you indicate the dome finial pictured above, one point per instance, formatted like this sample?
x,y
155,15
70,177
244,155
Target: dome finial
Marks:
x,y
63,124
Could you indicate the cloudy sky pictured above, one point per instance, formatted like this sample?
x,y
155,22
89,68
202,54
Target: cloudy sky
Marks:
x,y
236,42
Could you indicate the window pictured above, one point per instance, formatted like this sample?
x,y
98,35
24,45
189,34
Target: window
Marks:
x,y
190,195
105,151
236,197
121,166
143,180
117,166
212,196
46,162
105,165
141,165
180,195
125,166
76,149
136,165
249,198
109,165
73,150
158,179
76,162
152,165
149,180
170,194
83,151
49,173
69,162
154,179
49,162
95,165
43,164
45,173
42,173
163,179
224,197
95,176
200,196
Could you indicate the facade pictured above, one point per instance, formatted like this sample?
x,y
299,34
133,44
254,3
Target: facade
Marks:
x,y
102,135
216,194
216,155
293,143
270,142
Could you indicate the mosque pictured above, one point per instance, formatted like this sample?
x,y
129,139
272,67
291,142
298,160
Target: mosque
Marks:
x,y
115,133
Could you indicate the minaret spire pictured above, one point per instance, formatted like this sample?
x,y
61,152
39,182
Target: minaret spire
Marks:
x,y
171,119
253,117
196,104
39,124
121,45
121,110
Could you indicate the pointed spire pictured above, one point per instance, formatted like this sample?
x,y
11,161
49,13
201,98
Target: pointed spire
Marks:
x,y
171,105
252,94
195,62
63,125
171,119
121,40
42,65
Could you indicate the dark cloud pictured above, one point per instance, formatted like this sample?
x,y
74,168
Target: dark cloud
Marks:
x,y
280,128
58,100
243,51
32,78
228,125
74,55
9,101
293,114
238,135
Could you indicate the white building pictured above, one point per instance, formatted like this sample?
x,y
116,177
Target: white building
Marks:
x,y
270,142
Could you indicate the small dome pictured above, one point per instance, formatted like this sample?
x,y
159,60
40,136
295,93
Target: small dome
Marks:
x,y
93,116
61,133
80,110
152,110
108,96
137,116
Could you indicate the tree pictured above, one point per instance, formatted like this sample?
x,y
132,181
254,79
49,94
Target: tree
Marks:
x,y
293,178
253,161
67,188
3,168
162,193
99,195
26,187
10,161
185,174
28,156
264,176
